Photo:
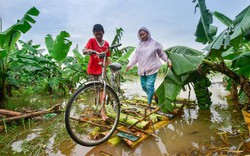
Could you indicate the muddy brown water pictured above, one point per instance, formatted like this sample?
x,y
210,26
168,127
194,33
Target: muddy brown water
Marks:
x,y
195,130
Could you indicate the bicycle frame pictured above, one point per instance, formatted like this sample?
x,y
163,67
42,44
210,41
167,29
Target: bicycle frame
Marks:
x,y
89,103
104,72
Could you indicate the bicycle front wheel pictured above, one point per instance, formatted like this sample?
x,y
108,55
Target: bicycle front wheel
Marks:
x,y
82,117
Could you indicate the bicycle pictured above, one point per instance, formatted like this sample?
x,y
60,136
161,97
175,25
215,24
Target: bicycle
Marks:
x,y
82,115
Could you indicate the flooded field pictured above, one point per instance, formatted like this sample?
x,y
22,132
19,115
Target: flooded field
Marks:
x,y
196,132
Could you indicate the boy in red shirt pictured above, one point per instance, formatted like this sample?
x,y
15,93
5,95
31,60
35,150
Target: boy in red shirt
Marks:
x,y
94,69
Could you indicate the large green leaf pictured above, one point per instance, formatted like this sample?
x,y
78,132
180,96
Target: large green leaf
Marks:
x,y
188,57
168,91
126,55
27,46
55,81
49,42
183,50
205,31
223,18
3,53
188,63
242,23
116,53
243,60
185,60
216,48
22,25
230,54
61,46
80,59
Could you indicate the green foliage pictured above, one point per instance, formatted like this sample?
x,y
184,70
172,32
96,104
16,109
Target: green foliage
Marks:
x,y
116,53
242,63
230,48
205,30
178,76
75,70
233,36
59,48
241,26
168,91
223,18
8,39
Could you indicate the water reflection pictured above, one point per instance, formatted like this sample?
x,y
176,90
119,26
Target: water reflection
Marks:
x,y
189,131
186,132
28,136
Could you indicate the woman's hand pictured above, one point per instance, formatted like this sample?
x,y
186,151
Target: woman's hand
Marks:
x,y
169,64
127,69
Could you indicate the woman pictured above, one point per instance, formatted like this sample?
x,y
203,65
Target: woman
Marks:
x,y
148,54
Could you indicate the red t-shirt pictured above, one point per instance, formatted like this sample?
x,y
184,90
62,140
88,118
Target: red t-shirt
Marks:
x,y
93,67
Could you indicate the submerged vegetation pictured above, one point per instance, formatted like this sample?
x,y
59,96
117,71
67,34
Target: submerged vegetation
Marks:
x,y
32,78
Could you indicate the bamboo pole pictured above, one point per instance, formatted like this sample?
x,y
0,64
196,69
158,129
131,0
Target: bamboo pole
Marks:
x,y
138,129
134,124
101,125
129,119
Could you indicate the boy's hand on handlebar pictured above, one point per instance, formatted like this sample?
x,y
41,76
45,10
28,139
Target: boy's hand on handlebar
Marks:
x,y
87,52
101,56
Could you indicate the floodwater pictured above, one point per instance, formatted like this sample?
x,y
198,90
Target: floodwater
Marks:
x,y
195,131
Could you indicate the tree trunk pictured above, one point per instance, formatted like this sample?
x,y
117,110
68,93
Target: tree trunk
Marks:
x,y
9,112
2,92
28,115
234,93
241,80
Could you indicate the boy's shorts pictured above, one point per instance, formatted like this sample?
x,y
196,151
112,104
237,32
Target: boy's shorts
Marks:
x,y
94,77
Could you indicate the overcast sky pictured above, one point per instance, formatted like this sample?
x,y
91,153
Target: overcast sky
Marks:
x,y
171,22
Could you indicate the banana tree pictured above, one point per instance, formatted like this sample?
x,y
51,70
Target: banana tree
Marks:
x,y
229,53
8,39
121,55
184,64
58,49
75,71
23,63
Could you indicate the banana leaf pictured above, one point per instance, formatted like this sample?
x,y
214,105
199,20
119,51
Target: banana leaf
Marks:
x,y
231,36
9,37
241,23
185,60
243,63
205,30
223,18
59,47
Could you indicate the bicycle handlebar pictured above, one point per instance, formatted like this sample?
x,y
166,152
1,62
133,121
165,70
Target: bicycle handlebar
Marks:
x,y
101,53
115,45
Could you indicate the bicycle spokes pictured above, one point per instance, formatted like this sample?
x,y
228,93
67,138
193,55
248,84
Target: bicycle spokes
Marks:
x,y
82,117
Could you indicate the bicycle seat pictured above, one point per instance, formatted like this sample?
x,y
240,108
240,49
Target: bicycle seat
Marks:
x,y
115,66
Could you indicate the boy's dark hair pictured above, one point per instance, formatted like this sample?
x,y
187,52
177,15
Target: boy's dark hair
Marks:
x,y
98,27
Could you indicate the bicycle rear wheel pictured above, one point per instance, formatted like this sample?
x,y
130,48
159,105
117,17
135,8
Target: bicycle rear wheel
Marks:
x,y
83,122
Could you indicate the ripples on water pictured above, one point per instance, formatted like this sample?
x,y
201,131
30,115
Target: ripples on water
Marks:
x,y
190,131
